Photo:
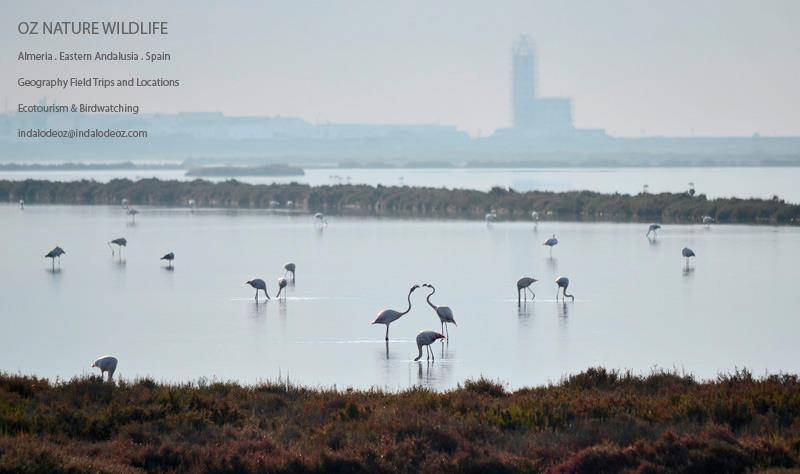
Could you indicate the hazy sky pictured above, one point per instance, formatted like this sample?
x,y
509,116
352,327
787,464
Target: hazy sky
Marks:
x,y
726,67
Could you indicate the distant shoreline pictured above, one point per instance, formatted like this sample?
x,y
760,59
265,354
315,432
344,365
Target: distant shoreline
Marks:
x,y
409,202
250,167
596,420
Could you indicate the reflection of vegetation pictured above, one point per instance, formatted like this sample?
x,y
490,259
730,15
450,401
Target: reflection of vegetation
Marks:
x,y
231,171
596,421
404,201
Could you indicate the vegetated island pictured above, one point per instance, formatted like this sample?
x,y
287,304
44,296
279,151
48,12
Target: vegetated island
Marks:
x,y
595,421
234,171
409,202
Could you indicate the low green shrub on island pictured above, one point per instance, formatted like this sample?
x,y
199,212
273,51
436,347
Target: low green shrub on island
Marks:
x,y
404,201
595,421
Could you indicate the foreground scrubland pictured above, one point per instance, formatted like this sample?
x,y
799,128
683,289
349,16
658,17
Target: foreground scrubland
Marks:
x,y
595,421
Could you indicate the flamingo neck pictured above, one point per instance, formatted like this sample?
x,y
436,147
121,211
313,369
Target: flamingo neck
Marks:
x,y
429,299
409,303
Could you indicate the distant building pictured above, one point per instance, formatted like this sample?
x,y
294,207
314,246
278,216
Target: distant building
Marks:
x,y
523,81
532,115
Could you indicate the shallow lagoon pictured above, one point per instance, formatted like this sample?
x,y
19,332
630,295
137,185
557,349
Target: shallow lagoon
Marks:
x,y
636,306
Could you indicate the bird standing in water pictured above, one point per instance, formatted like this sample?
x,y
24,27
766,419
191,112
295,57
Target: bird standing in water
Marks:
x,y
54,254
258,284
445,313
687,254
169,258
551,242
281,285
388,316
563,284
426,338
119,242
524,286
289,267
652,229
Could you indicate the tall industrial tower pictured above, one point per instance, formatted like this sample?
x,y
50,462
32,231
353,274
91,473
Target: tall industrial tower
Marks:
x,y
523,80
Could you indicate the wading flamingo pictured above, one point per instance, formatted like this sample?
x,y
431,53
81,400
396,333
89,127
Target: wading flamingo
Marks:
x,y
687,254
426,338
388,316
119,242
281,285
54,254
563,284
445,313
289,268
524,286
169,258
551,242
132,212
652,229
258,284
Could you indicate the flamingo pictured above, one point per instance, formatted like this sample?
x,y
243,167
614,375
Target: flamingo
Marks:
x,y
119,242
54,254
258,284
320,217
708,220
388,316
426,338
687,254
22,204
563,282
281,285
132,212
524,286
490,217
444,312
106,364
653,228
169,258
124,203
551,242
289,267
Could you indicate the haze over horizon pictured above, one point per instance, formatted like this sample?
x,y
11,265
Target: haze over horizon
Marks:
x,y
704,68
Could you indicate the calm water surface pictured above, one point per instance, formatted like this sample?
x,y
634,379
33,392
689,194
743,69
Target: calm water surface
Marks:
x,y
636,307
714,182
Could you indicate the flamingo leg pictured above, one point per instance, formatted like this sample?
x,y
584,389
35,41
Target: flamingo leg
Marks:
x,y
387,332
446,332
